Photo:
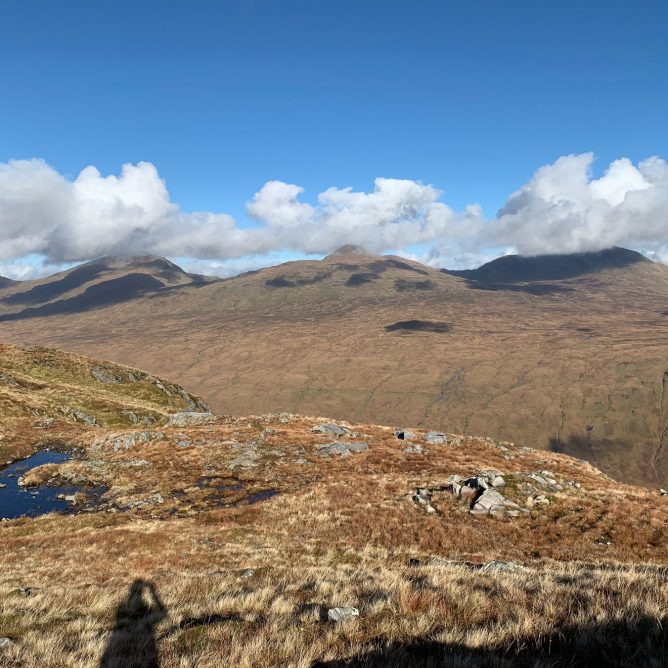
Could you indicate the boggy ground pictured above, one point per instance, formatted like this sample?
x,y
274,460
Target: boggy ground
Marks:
x,y
226,543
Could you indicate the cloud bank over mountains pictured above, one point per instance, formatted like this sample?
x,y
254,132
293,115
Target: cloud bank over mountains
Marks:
x,y
562,209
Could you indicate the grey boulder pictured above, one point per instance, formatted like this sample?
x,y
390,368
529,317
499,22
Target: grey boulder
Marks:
x,y
330,428
343,448
342,614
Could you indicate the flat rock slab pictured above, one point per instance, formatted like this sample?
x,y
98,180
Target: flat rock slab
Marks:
x,y
491,502
330,428
343,448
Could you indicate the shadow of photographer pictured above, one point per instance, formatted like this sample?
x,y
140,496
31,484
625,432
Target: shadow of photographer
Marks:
x,y
133,642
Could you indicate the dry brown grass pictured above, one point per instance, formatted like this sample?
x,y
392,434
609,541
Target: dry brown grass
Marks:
x,y
339,531
551,615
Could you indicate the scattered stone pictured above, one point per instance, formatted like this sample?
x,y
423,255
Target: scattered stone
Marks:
x,y
301,461
5,643
184,443
2,485
498,481
423,496
663,492
190,419
343,448
435,437
405,434
330,428
47,423
247,573
414,449
342,614
106,376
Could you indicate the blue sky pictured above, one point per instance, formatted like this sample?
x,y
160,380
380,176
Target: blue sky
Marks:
x,y
222,97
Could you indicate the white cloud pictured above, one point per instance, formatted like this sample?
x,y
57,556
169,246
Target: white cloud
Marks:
x,y
561,209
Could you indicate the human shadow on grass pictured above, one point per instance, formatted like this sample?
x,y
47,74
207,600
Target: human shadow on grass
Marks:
x,y
638,640
133,642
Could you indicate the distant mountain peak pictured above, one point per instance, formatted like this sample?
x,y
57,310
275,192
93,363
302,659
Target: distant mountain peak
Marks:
x,y
349,250
521,268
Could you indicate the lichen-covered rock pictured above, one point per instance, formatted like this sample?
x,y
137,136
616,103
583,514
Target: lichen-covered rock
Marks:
x,y
119,442
103,375
435,438
343,448
190,419
405,434
330,428
342,614
491,502
80,416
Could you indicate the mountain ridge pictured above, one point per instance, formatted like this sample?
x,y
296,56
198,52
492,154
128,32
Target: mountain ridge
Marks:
x,y
518,268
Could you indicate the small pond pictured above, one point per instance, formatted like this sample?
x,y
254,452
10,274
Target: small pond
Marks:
x,y
18,501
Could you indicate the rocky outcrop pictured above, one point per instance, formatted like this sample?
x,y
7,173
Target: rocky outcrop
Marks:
x,y
104,375
343,448
333,429
480,493
78,415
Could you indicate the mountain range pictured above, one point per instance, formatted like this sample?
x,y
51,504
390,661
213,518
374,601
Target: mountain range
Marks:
x,y
566,353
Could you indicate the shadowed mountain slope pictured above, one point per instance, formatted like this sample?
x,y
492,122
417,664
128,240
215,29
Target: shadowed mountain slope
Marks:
x,y
573,361
518,269
105,281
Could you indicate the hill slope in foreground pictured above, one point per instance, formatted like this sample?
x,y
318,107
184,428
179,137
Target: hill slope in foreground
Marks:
x,y
568,353
227,541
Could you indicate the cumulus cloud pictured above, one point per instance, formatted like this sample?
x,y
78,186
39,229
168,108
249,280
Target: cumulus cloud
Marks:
x,y
43,213
561,209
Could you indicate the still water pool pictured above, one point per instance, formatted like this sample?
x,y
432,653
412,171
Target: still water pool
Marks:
x,y
16,501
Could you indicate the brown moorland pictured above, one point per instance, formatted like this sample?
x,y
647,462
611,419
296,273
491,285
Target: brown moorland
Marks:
x,y
565,353
226,540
